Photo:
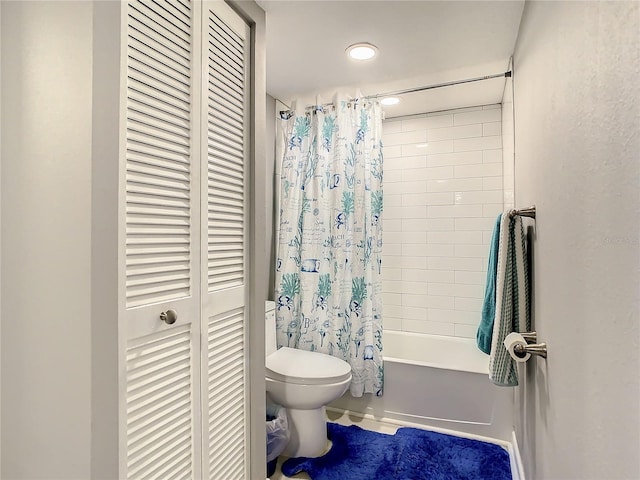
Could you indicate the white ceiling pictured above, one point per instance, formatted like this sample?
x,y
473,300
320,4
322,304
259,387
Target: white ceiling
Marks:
x,y
420,42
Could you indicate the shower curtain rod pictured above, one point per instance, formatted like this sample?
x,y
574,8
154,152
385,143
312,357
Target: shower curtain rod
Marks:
x,y
506,74
440,85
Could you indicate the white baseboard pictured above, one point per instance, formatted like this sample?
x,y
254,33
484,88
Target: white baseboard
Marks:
x,y
394,421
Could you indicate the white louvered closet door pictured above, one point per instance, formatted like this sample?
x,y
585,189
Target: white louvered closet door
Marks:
x,y
225,120
160,238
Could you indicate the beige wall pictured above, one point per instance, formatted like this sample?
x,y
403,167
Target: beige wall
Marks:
x,y
46,226
577,124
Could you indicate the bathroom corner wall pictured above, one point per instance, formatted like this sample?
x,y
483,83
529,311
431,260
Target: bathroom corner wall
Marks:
x,y
577,137
508,145
442,192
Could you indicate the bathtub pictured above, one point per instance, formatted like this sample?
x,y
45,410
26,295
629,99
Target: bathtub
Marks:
x,y
439,382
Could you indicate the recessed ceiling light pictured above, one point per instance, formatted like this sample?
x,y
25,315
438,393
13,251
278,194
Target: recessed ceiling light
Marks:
x,y
362,51
390,101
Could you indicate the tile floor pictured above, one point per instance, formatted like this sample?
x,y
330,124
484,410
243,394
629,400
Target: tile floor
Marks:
x,y
343,419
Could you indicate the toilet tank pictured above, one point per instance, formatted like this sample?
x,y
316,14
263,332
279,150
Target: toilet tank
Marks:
x,y
270,343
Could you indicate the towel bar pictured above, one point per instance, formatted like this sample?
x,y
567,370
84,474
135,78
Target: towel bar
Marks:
x,y
524,212
530,337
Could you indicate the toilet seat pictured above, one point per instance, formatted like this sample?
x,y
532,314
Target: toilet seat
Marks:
x,y
301,367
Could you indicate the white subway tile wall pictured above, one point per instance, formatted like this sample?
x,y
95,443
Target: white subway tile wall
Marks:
x,y
443,188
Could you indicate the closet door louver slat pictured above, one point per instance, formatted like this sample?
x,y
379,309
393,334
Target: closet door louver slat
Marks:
x,y
158,183
225,134
226,147
161,182
183,232
159,406
226,393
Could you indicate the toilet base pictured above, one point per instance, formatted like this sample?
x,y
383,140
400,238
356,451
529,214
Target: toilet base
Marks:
x,y
308,433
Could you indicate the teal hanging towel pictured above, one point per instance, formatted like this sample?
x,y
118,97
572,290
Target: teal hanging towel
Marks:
x,y
485,328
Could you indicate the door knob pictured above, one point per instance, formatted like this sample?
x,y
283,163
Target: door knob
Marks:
x,y
169,317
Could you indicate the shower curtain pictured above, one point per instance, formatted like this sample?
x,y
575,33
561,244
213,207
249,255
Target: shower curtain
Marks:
x,y
328,265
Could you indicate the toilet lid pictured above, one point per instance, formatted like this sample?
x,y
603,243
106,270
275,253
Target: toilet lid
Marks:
x,y
306,368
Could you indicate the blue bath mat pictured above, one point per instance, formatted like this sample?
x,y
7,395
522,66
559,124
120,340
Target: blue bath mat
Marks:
x,y
410,454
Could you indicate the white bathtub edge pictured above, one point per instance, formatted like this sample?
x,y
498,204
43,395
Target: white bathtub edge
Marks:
x,y
484,370
473,360
517,468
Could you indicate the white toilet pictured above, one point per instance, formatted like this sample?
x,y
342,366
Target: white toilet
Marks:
x,y
303,382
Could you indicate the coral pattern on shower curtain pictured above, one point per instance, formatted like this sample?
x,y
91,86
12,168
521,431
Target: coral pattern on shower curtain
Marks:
x,y
328,265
